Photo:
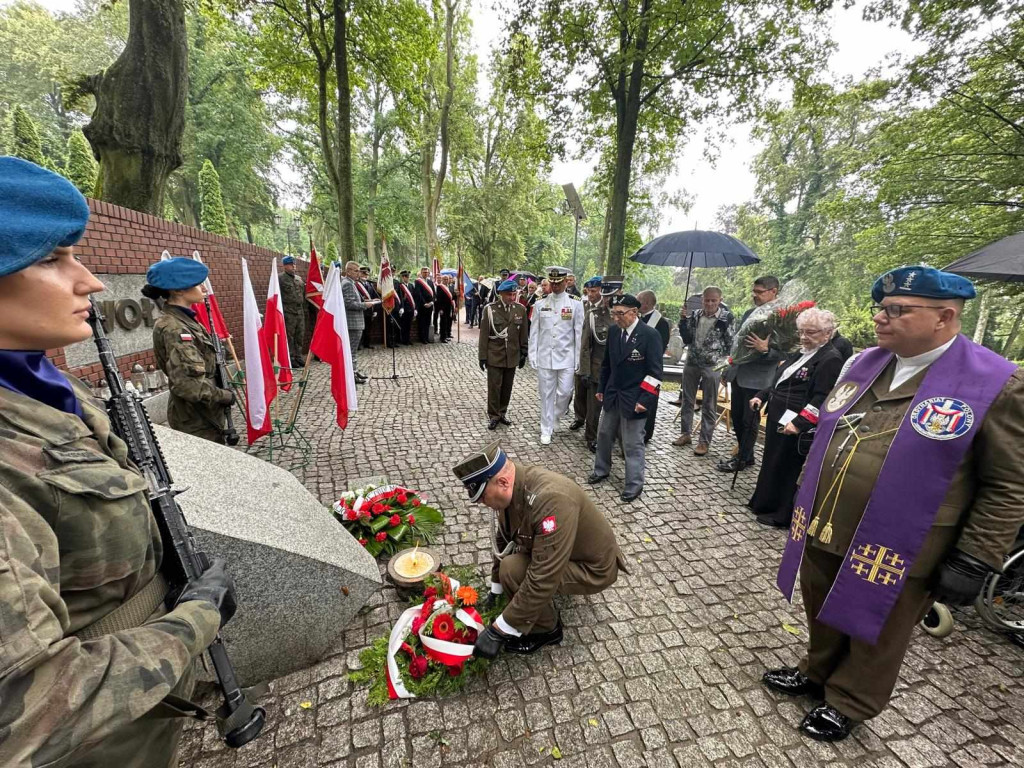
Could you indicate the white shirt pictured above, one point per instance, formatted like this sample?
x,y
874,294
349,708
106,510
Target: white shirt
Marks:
x,y
908,367
804,359
556,331
632,327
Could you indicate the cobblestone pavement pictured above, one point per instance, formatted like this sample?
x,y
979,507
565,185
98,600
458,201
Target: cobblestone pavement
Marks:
x,y
660,670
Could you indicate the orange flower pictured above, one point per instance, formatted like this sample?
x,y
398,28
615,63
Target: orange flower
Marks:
x,y
467,595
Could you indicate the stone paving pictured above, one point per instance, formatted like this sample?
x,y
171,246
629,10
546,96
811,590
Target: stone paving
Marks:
x,y
660,670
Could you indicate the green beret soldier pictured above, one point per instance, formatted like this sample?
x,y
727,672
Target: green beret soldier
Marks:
x,y
550,538
184,350
79,684
911,494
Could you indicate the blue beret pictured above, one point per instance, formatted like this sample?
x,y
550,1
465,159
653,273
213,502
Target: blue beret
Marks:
x,y
508,285
288,260
593,282
39,211
924,281
176,274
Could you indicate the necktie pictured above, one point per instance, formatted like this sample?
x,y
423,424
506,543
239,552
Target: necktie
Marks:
x,y
625,336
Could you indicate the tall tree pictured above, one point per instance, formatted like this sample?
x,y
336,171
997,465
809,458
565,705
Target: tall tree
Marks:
x,y
212,217
25,137
645,70
139,119
81,165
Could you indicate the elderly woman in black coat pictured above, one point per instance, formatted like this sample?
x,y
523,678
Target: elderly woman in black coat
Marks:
x,y
801,383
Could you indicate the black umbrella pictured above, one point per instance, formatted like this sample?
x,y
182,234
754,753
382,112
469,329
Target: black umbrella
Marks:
x,y
695,248
1002,260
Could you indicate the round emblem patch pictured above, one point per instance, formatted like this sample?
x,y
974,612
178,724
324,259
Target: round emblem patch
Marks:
x,y
942,418
843,394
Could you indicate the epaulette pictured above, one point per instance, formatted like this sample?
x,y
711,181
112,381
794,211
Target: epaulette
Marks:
x,y
578,298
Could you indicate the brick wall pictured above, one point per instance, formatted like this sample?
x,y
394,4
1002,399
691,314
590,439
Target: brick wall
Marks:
x,y
119,240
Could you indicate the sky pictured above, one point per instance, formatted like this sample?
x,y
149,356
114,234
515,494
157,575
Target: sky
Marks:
x,y
861,46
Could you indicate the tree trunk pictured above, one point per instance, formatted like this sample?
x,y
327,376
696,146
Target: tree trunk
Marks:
x,y
343,141
376,137
434,187
1012,337
603,250
983,315
139,120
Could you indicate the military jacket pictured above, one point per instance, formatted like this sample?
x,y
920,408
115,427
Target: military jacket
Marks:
x,y
556,329
984,507
596,324
78,540
503,334
293,294
553,521
184,351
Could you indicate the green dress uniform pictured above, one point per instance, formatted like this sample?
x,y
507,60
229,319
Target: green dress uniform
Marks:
x,y
559,542
79,540
977,516
184,352
503,341
293,298
592,350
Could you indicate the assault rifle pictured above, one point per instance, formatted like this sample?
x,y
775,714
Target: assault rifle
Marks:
x,y
221,374
238,720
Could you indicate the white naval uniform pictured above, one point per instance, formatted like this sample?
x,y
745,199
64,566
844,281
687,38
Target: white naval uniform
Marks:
x,y
556,330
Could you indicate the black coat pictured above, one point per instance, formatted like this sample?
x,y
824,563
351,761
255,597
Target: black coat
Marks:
x,y
662,328
632,373
805,390
423,296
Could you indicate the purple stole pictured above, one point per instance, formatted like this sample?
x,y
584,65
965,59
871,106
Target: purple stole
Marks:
x,y
931,442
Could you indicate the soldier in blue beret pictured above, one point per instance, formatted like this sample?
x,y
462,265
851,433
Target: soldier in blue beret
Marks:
x,y
184,350
79,537
922,281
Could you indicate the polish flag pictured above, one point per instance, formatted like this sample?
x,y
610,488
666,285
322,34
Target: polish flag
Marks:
x,y
200,308
275,332
386,282
330,344
260,387
314,278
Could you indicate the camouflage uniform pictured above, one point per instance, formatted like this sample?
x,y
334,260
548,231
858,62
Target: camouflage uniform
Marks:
x,y
78,540
184,351
293,297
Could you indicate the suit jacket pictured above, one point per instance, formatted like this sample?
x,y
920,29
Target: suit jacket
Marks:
x,y
422,295
631,372
805,390
354,309
662,327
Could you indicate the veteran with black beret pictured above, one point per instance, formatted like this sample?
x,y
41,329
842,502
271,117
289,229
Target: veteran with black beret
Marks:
x,y
548,538
912,493
184,350
80,683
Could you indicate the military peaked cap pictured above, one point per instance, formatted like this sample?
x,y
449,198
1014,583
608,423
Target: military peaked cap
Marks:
x,y
611,283
39,211
557,274
480,466
924,281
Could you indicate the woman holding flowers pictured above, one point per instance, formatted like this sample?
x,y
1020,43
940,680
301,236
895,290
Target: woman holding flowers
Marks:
x,y
800,385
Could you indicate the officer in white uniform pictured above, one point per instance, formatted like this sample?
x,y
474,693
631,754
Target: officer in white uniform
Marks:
x,y
556,330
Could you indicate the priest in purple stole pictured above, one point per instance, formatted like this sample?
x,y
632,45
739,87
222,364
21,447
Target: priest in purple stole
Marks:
x,y
912,493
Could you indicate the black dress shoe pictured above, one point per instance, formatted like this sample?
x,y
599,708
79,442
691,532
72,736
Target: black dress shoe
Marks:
x,y
772,521
505,421
535,641
826,723
492,424
594,479
592,446
792,682
729,465
577,424
628,497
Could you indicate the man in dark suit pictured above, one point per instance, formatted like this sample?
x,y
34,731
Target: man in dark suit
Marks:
x,y
369,291
630,382
424,292
404,292
649,315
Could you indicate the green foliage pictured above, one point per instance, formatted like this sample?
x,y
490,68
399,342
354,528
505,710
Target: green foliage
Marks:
x,y
25,137
81,166
211,215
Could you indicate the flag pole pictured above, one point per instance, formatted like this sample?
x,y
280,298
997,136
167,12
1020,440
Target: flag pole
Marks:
x,y
384,322
302,387
234,355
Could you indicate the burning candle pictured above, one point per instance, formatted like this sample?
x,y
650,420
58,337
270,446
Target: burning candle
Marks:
x,y
413,565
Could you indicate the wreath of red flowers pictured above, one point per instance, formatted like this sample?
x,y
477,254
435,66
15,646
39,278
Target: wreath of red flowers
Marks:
x,y
444,627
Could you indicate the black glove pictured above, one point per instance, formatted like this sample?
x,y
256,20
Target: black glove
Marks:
x,y
483,364
522,361
488,602
959,580
227,397
489,643
215,586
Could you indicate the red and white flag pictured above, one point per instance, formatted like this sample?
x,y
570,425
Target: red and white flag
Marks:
x,y
200,309
437,265
386,283
314,278
276,333
260,386
330,343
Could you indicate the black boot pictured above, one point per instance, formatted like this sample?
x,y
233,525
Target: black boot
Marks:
x,y
534,641
792,682
826,723
577,424
492,424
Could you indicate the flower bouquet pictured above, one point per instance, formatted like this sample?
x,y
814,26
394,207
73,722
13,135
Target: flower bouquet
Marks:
x,y
775,321
430,648
382,518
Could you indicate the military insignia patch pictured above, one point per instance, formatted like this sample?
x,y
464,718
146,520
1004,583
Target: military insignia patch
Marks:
x,y
548,525
843,394
186,337
635,355
942,418
567,313
888,283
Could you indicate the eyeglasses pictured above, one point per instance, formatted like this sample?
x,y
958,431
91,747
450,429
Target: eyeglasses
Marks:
x,y
809,331
759,291
895,310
